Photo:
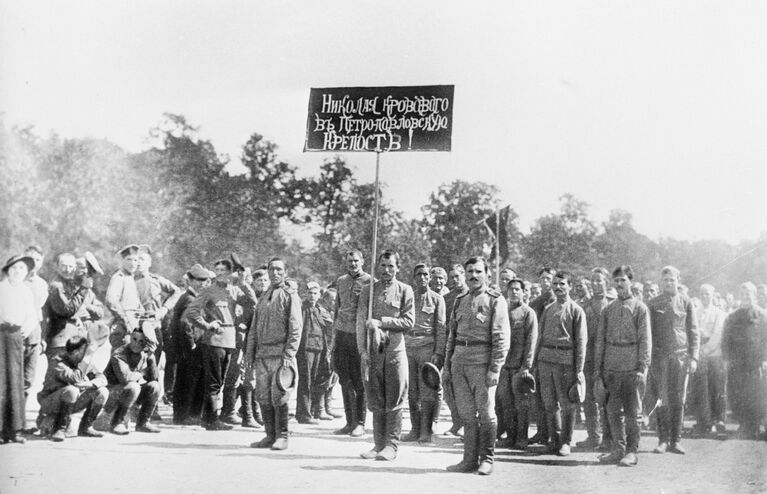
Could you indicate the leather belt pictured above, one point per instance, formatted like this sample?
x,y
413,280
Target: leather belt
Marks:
x,y
557,347
470,343
622,344
419,333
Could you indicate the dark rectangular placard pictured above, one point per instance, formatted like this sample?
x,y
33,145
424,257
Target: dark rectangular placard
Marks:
x,y
387,119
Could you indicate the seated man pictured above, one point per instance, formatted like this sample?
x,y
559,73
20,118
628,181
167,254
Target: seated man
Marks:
x,y
132,378
71,386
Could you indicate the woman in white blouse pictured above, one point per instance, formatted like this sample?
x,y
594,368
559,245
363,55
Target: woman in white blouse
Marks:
x,y
17,319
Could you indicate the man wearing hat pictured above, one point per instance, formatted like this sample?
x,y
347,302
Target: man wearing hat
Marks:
x,y
458,288
132,378
621,360
425,343
313,346
346,358
185,345
381,345
122,298
561,357
213,311
271,349
71,305
233,383
476,349
18,318
515,400
71,385
675,345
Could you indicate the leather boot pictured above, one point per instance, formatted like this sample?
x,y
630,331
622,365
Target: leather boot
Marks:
x,y
62,422
281,428
118,420
487,434
328,398
351,421
470,449
86,423
318,410
269,426
523,423
257,411
246,410
142,421
415,424
427,415
227,407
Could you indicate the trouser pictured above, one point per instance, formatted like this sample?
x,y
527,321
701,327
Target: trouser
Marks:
x,y
537,407
123,396
169,377
232,382
515,406
449,395
746,389
309,394
708,386
555,382
668,375
421,398
476,407
267,392
591,408
188,390
215,363
386,391
31,353
346,360
71,395
11,381
624,409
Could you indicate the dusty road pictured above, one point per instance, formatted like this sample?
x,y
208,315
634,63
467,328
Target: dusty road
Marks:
x,y
192,460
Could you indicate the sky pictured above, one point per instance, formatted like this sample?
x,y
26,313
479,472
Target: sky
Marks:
x,y
656,107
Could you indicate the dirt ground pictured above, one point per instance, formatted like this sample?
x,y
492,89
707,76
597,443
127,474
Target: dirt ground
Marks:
x,y
192,460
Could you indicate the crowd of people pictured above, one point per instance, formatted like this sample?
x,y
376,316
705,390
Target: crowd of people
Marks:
x,y
628,354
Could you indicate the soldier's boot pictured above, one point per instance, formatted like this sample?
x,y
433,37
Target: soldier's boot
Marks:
x,y
281,428
360,411
351,419
269,427
427,419
392,433
142,421
61,425
470,449
118,420
256,407
510,422
487,433
246,410
379,436
86,423
227,415
328,399
318,410
523,423
415,424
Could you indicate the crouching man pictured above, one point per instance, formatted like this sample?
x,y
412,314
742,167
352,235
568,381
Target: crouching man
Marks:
x,y
69,387
132,378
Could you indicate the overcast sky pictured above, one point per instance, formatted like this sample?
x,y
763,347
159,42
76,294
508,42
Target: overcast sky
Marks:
x,y
656,107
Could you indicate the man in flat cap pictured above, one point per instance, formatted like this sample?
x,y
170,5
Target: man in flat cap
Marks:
x,y
381,345
272,344
122,298
185,345
213,311
425,343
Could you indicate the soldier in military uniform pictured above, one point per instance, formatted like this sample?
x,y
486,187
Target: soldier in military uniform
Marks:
x,y
425,343
515,403
438,281
597,426
381,345
538,304
621,360
272,344
458,288
213,312
476,349
346,358
561,357
122,298
675,344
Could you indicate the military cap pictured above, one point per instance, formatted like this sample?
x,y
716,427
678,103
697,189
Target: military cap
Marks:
x,y
430,375
286,378
312,284
237,265
92,263
128,250
145,248
25,259
198,272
